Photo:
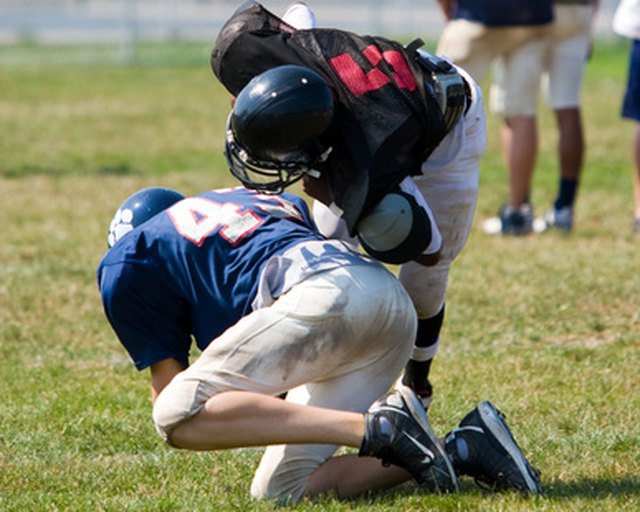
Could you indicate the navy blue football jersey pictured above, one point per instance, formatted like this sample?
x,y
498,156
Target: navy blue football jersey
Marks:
x,y
194,269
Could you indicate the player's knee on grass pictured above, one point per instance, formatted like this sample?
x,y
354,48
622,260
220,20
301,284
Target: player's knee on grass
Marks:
x,y
284,471
167,417
176,405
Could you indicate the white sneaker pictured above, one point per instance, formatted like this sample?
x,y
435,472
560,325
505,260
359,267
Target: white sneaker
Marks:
x,y
511,221
561,218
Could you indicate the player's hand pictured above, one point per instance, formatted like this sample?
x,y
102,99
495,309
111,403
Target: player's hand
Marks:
x,y
316,188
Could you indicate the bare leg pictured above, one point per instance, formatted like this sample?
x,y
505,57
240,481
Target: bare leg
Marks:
x,y
636,171
570,142
236,419
520,146
348,476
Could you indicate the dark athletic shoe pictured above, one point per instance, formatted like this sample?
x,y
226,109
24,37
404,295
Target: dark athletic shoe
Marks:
x,y
399,433
483,447
559,218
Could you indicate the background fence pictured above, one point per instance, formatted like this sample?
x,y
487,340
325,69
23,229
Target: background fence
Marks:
x,y
127,21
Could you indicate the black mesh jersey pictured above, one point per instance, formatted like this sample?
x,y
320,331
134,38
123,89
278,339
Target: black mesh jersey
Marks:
x,y
380,132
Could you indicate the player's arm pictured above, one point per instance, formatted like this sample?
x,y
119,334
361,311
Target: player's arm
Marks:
x,y
252,41
399,229
316,188
448,7
145,315
162,373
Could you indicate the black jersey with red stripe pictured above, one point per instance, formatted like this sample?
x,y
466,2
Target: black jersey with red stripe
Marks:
x,y
380,132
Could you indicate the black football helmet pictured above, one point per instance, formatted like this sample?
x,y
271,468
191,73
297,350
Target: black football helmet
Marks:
x,y
139,207
276,127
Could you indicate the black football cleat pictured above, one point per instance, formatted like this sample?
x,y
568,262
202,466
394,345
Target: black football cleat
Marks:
x,y
483,447
399,433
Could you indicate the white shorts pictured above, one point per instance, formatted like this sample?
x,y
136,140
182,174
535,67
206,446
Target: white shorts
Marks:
x,y
568,48
517,51
449,184
338,340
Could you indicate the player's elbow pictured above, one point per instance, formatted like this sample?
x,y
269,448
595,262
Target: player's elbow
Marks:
x,y
397,230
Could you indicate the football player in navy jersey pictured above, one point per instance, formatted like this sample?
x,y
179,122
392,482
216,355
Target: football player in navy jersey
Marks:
x,y
275,307
387,138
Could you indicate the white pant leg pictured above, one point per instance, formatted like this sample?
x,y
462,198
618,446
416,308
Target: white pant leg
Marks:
x,y
449,183
345,334
285,469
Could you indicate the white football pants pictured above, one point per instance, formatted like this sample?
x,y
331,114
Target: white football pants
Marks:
x,y
337,340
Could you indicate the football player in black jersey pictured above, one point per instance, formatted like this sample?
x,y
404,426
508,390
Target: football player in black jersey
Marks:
x,y
387,138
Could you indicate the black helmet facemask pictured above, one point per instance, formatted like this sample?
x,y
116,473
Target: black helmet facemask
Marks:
x,y
277,130
272,176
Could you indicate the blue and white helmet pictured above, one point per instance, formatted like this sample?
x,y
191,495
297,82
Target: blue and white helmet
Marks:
x,y
139,207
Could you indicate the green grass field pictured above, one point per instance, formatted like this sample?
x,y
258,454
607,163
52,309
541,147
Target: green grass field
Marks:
x,y
547,327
